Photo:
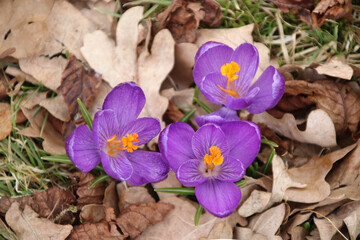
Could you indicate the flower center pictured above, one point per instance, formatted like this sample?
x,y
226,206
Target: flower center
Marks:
x,y
215,158
229,70
114,146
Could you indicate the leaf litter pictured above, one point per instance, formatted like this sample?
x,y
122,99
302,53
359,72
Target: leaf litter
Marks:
x,y
313,181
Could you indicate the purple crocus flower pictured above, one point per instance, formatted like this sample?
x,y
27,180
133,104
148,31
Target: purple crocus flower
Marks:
x,y
211,160
116,137
225,75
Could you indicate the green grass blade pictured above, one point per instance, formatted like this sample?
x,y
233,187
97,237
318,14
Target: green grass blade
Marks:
x,y
187,116
85,113
240,183
57,158
198,213
268,142
108,12
269,161
184,191
99,179
203,105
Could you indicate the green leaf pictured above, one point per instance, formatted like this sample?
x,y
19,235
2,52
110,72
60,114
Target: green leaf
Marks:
x,y
58,158
99,179
85,113
198,213
203,105
184,190
268,142
269,161
240,183
187,116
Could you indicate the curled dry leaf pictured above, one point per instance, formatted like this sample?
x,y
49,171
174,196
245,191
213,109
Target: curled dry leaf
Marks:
x,y
5,120
85,195
53,204
111,198
137,217
77,82
172,114
331,9
336,99
92,213
28,225
132,195
183,17
319,130
313,175
336,68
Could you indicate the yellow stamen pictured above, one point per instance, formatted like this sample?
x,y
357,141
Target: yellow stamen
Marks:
x,y
114,146
229,70
214,159
128,142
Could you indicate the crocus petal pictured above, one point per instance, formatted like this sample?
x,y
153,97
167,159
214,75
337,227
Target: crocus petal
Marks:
x,y
148,167
242,102
218,117
189,175
206,46
126,100
211,61
272,85
247,56
105,127
209,86
231,170
175,144
117,167
218,197
146,128
244,139
82,150
207,136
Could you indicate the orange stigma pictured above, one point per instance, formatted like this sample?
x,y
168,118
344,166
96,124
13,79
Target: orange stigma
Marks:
x,y
229,70
128,142
214,159
114,146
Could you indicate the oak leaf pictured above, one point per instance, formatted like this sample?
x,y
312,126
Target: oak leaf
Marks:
x,y
28,225
336,99
85,195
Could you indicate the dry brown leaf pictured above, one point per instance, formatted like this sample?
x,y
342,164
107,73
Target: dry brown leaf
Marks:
x,y
92,213
319,130
53,142
132,195
247,233
5,120
221,230
183,17
28,225
137,217
336,99
179,223
336,68
116,64
85,195
287,5
48,204
313,175
172,114
56,107
77,82
111,198
106,229
271,135
346,171
331,9
102,21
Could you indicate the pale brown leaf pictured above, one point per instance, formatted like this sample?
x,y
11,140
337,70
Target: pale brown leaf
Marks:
x,y
132,195
5,120
28,225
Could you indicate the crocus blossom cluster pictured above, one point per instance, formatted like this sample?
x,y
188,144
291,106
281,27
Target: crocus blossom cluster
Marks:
x,y
211,160
116,137
225,77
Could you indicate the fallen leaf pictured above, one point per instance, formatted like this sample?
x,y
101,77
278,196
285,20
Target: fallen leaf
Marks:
x,y
132,195
85,195
51,204
247,233
271,135
313,175
221,230
331,9
111,198
179,223
5,120
172,114
92,213
256,203
101,20
336,68
53,142
336,99
287,5
319,130
106,229
28,225
77,82
137,217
